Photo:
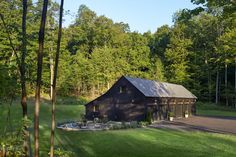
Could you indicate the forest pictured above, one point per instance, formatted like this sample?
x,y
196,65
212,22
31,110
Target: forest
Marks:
x,y
197,51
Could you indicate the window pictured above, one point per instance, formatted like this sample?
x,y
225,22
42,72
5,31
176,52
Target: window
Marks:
x,y
95,108
155,102
123,89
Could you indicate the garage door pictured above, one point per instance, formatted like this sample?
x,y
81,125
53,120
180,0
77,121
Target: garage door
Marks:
x,y
178,111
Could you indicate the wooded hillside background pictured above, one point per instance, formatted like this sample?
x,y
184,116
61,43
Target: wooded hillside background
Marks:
x,y
198,51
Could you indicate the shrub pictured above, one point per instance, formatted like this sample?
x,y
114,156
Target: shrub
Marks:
x,y
143,123
11,145
104,119
12,142
127,125
122,125
149,117
170,114
134,124
96,120
62,153
83,119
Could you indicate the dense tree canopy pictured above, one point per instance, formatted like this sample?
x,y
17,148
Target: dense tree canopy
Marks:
x,y
198,51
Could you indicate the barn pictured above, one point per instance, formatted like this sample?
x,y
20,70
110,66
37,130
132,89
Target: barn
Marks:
x,y
132,99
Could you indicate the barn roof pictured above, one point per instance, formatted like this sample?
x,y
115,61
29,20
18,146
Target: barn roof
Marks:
x,y
160,89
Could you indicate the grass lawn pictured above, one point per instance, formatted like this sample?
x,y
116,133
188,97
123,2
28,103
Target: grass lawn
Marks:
x,y
206,109
145,142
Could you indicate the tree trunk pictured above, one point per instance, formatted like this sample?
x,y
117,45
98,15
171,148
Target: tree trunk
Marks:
x,y
55,80
39,77
51,73
21,66
209,84
23,55
219,93
217,85
208,80
235,84
22,75
226,85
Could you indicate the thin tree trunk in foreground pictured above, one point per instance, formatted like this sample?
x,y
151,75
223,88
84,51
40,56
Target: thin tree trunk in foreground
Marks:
x,y
26,143
51,74
23,55
55,81
39,77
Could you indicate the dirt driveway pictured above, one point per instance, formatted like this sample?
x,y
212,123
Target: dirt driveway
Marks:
x,y
200,123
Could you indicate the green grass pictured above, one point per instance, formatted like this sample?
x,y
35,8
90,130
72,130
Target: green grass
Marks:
x,y
145,142
208,109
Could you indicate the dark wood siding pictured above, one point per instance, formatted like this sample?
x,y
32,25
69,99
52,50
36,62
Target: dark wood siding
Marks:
x,y
159,107
124,102
127,105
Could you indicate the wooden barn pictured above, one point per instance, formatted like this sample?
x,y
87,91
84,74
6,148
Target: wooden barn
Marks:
x,y
133,98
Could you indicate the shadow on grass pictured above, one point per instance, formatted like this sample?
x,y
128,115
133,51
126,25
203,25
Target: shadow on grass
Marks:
x,y
146,143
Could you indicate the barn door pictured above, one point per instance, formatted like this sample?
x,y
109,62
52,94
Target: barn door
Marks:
x,y
162,112
178,111
154,113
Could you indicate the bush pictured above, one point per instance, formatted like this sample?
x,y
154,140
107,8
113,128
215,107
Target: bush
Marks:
x,y
122,125
171,114
11,145
134,124
149,117
104,119
143,123
83,119
62,153
12,142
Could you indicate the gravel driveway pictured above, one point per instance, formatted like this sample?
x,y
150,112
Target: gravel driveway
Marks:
x,y
200,123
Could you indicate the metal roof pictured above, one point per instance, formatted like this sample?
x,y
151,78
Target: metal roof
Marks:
x,y
160,89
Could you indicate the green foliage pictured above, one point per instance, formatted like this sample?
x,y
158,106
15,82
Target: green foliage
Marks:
x,y
177,55
226,49
122,125
11,147
143,123
171,114
62,153
12,141
96,51
211,109
71,100
149,117
100,51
